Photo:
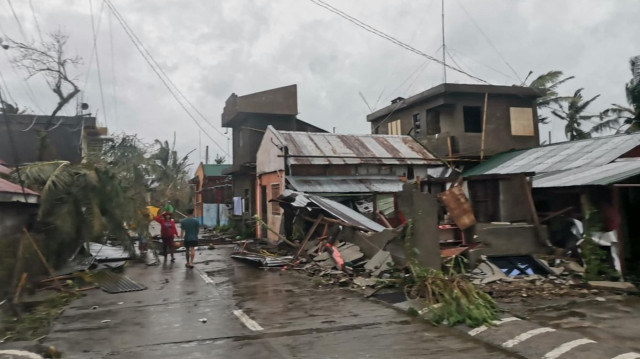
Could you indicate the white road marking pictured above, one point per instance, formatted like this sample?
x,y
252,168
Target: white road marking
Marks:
x,y
248,322
478,330
22,353
526,335
631,355
206,278
561,349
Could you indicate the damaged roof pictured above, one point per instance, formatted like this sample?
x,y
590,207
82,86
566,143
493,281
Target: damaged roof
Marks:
x,y
610,173
346,184
589,153
334,149
11,192
334,208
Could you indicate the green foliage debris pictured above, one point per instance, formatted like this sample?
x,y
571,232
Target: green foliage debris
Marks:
x,y
450,299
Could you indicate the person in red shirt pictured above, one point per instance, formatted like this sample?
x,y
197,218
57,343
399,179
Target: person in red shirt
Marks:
x,y
168,232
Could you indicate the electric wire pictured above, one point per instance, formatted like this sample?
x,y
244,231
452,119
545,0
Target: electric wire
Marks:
x,y
15,16
35,19
481,64
157,70
168,79
473,21
113,71
95,48
390,38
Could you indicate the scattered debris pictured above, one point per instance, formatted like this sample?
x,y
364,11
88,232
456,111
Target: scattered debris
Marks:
x,y
203,320
105,321
381,262
111,282
616,286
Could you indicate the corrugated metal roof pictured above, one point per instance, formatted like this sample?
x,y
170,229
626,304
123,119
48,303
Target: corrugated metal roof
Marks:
x,y
350,184
331,148
336,209
214,170
592,152
10,187
590,176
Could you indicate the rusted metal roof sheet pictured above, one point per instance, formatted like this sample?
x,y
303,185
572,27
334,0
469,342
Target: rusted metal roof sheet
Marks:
x,y
348,184
337,149
590,176
12,188
592,152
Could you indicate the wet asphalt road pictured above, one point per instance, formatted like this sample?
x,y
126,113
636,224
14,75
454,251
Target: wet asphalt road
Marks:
x,y
250,313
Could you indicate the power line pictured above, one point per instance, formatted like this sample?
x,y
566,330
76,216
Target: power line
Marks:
x,y
158,71
95,48
481,64
15,16
473,21
35,19
390,38
113,70
168,79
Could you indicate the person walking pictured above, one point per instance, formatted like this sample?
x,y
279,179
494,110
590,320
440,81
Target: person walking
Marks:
x,y
168,232
189,232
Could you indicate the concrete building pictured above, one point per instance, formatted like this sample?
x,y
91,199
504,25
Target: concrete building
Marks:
x,y
363,172
248,116
71,138
450,119
212,194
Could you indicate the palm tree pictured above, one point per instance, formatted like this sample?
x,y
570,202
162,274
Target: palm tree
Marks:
x,y
170,174
572,111
548,83
629,115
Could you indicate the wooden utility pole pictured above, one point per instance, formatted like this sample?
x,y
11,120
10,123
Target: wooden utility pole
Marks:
x,y
484,125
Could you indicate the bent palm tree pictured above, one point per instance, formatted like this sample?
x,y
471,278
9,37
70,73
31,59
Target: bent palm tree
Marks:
x,y
572,111
548,83
629,115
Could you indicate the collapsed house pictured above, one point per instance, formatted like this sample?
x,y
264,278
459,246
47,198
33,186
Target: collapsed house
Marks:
x,y
567,179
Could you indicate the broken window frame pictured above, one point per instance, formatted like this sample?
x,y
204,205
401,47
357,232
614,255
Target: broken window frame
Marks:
x,y
433,121
416,123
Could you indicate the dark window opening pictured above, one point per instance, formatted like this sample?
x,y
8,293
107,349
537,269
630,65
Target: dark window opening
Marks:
x,y
416,123
410,174
472,119
433,122
485,199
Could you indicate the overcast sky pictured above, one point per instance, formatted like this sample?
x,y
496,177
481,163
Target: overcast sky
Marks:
x,y
212,48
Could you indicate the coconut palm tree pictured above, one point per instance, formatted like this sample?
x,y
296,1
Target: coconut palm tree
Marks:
x,y
572,111
629,115
170,174
548,83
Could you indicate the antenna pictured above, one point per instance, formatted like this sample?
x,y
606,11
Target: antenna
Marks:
x,y
444,48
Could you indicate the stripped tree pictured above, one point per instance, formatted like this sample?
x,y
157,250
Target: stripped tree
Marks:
x,y
49,60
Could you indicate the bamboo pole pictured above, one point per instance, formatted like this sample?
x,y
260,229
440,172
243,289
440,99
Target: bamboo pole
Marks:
x,y
44,261
23,280
308,236
484,124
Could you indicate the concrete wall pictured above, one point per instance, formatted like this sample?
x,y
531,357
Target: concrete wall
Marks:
x,y
279,101
268,157
422,208
508,239
498,128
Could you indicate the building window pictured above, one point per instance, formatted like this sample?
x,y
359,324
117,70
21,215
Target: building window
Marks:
x,y
433,122
416,124
394,128
275,193
472,119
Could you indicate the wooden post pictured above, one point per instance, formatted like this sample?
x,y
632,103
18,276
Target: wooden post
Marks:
x,y
44,261
18,266
384,219
450,147
484,125
532,208
23,279
308,236
620,231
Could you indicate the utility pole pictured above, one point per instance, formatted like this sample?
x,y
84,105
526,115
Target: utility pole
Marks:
x,y
206,155
444,48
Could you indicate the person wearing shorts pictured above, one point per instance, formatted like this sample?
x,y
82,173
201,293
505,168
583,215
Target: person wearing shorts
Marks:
x,y
168,232
189,232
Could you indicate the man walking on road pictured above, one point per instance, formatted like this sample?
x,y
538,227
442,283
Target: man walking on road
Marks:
x,y
189,232
168,232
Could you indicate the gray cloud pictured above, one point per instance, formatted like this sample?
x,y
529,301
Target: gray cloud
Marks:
x,y
213,48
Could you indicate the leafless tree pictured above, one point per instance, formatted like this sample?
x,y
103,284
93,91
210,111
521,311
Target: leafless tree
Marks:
x,y
49,60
